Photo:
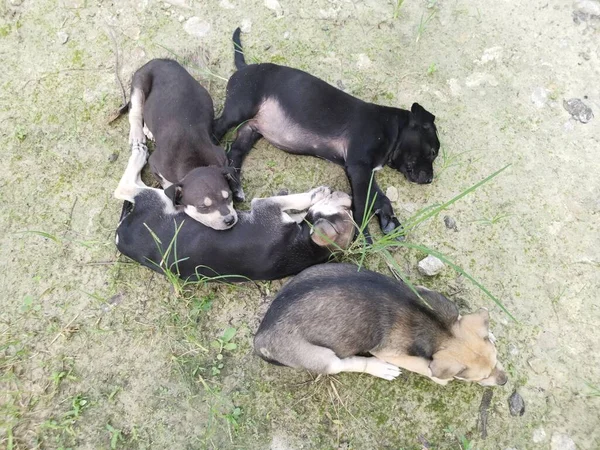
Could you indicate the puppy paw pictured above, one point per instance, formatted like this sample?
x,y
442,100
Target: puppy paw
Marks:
x,y
318,194
342,199
136,136
389,224
381,369
139,151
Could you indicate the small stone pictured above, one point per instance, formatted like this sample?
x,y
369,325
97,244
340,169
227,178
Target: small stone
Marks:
x,y
363,62
341,85
585,10
454,85
62,37
132,33
16,2
113,157
490,54
430,266
246,26
196,27
392,194
450,223
562,442
286,35
181,18
513,350
539,97
539,435
516,405
274,5
226,4
578,110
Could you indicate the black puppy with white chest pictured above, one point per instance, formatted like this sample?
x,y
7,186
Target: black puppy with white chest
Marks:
x,y
267,243
302,114
174,110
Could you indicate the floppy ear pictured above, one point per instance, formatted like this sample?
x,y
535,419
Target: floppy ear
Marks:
x,y
442,307
482,322
421,114
444,366
174,193
323,233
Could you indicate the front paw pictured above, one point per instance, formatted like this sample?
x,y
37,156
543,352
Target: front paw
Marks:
x,y
319,193
389,225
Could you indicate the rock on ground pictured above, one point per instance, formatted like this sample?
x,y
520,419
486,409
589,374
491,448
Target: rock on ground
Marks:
x,y
196,27
562,442
578,110
516,404
430,266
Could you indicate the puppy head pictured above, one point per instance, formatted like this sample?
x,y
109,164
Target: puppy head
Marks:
x,y
205,195
469,355
331,219
418,147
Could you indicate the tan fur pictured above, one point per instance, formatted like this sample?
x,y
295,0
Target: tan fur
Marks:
x,y
467,355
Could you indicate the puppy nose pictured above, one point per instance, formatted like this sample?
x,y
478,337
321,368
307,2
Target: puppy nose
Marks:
x,y
424,178
229,220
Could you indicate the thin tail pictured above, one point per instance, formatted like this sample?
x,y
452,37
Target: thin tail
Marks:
x,y
122,110
238,51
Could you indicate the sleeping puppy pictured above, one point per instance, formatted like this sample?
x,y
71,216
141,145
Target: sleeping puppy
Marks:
x,y
330,313
268,242
302,114
169,105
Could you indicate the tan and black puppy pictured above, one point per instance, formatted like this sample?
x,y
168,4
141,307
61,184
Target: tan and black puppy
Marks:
x,y
329,314
174,110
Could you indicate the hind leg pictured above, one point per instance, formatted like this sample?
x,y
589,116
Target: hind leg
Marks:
x,y
136,117
304,355
244,141
131,182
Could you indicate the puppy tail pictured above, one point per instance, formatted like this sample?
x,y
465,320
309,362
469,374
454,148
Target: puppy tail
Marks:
x,y
238,51
122,110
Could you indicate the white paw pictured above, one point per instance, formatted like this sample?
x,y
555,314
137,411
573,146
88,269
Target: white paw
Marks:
x,y
136,136
139,151
381,369
318,194
341,199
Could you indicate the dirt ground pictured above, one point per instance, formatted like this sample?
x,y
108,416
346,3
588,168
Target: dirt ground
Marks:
x,y
98,352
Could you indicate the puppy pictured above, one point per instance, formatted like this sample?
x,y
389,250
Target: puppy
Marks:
x,y
177,112
302,114
267,243
330,313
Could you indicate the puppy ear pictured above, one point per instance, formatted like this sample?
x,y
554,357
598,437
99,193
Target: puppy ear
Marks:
x,y
442,307
174,193
230,177
323,233
421,114
444,366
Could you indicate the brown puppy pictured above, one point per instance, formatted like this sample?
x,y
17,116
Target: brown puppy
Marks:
x,y
331,313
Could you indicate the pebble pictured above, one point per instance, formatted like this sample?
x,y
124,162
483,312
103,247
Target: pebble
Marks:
x,y
62,37
454,85
578,110
539,435
363,61
196,27
450,223
16,2
539,97
132,33
516,405
226,4
392,193
561,442
430,266
490,54
585,9
246,26
274,5
113,157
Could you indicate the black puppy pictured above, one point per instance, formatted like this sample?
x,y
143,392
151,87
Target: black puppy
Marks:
x,y
169,105
302,114
329,314
266,244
